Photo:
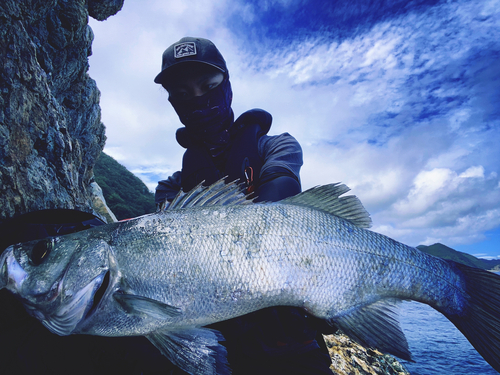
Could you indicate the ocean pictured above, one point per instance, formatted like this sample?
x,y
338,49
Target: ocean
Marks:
x,y
437,345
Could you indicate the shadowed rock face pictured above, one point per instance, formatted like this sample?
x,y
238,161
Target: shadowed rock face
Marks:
x,y
50,127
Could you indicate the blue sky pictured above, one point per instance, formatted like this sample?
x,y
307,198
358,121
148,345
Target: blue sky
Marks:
x,y
399,100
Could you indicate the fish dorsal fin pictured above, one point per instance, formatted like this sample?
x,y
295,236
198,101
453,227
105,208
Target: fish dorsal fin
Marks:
x,y
217,194
328,198
376,326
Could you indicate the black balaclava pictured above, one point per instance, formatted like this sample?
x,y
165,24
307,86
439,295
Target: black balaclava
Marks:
x,y
208,118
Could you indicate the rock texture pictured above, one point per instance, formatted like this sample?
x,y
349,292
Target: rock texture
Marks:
x,y
349,358
50,127
99,204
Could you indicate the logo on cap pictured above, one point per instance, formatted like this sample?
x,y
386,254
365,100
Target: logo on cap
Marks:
x,y
184,49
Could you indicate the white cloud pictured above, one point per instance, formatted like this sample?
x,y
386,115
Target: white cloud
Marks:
x,y
473,172
399,113
487,256
428,187
443,206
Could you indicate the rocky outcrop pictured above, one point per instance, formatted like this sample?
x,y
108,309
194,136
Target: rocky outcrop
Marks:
x,y
99,204
350,358
50,127
102,9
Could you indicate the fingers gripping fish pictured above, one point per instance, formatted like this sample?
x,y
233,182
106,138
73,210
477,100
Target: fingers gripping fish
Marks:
x,y
213,255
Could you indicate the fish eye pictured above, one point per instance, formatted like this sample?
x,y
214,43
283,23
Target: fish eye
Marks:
x,y
41,251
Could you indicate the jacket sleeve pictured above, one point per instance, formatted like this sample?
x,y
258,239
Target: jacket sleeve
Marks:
x,y
168,189
280,174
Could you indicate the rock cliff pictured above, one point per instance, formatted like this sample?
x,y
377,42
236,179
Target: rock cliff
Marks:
x,y
50,127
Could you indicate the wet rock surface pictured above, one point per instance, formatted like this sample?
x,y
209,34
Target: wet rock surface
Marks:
x,y
50,127
350,358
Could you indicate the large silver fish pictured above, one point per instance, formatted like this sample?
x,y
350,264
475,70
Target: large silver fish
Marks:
x,y
213,255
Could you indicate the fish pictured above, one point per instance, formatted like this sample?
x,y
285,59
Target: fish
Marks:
x,y
213,254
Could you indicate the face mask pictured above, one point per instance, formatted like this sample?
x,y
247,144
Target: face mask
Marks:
x,y
206,114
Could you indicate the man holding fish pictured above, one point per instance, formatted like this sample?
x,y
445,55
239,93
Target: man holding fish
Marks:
x,y
279,340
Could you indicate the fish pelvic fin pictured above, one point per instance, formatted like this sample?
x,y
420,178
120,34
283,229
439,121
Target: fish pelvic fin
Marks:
x,y
376,326
328,198
139,305
196,350
479,320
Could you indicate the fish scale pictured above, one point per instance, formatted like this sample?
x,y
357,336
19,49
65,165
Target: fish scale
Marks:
x,y
213,255
256,265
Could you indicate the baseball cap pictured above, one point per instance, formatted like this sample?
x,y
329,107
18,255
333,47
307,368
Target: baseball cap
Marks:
x,y
191,49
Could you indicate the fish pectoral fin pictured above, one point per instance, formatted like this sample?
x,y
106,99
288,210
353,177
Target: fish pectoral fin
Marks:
x,y
376,326
139,305
194,350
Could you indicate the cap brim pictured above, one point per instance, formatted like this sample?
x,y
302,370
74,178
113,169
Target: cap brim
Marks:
x,y
162,75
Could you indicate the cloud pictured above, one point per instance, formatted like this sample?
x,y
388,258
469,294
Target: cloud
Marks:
x,y
486,256
400,103
443,206
140,123
398,114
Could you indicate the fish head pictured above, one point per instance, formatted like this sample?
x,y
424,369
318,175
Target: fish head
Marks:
x,y
57,278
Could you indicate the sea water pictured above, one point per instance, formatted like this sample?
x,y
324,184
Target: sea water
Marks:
x,y
437,345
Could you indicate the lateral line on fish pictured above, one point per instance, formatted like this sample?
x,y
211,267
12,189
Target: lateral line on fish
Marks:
x,y
414,265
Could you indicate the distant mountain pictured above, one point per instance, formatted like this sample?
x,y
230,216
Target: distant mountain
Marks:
x,y
446,252
126,195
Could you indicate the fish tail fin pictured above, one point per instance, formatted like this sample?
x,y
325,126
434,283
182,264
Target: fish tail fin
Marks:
x,y
479,321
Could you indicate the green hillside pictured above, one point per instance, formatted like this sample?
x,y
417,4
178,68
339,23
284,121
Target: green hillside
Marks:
x,y
446,252
126,195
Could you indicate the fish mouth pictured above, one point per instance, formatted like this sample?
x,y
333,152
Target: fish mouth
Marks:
x,y
12,275
99,294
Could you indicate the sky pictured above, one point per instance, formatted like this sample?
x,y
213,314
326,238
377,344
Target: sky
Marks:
x,y
399,100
